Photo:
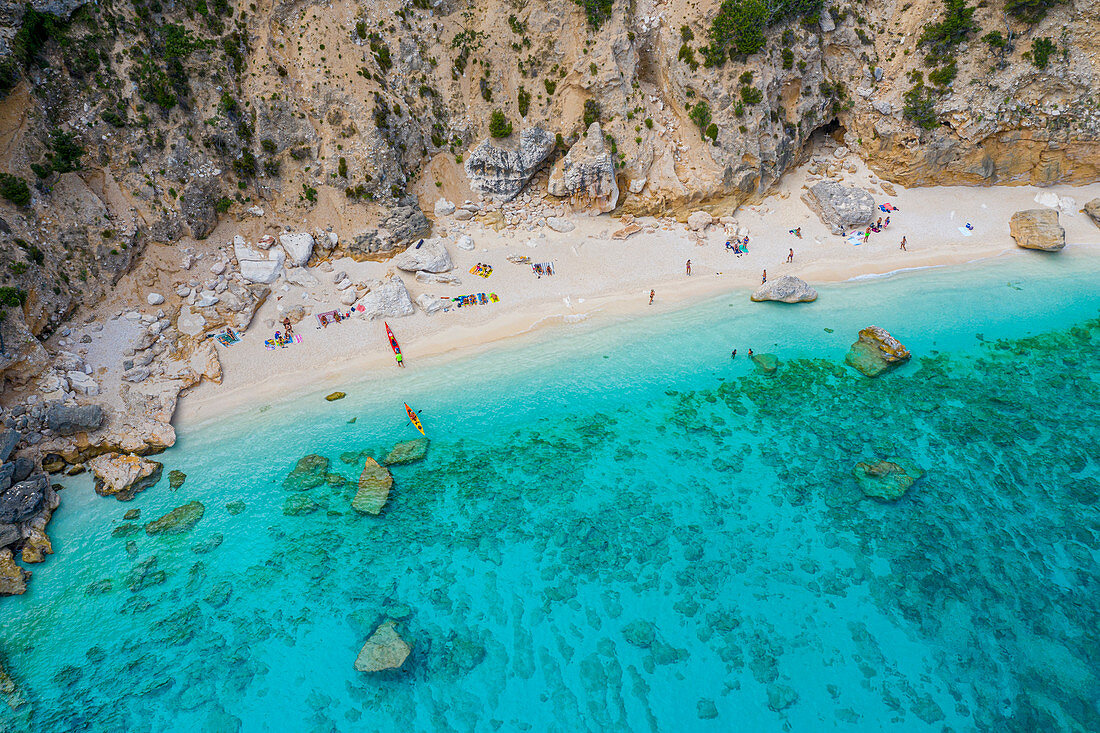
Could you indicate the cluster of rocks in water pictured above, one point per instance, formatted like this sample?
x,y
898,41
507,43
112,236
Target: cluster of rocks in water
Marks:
x,y
27,502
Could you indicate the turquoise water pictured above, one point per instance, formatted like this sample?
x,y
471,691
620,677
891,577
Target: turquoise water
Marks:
x,y
621,528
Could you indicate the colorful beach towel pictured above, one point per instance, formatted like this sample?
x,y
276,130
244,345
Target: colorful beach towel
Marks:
x,y
272,344
228,339
482,270
965,232
856,238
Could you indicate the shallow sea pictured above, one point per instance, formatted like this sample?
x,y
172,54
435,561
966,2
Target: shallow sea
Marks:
x,y
619,527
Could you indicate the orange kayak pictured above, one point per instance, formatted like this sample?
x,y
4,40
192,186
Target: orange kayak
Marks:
x,y
414,419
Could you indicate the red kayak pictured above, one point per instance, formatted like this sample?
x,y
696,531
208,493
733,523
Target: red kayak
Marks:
x,y
394,345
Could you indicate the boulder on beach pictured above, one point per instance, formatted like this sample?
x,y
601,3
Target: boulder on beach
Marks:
x,y
122,476
1092,209
385,649
408,452
257,266
785,289
308,473
841,208
443,207
886,480
500,170
875,351
560,224
389,299
298,246
1037,229
375,483
697,221
586,174
179,520
428,256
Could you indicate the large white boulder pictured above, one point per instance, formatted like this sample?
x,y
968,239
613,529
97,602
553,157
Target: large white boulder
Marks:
x,y
388,299
259,267
298,246
786,289
429,303
429,256
443,207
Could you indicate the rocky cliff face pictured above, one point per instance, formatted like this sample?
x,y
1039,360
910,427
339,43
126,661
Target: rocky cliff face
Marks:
x,y
122,125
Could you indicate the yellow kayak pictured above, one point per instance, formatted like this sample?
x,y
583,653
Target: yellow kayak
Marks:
x,y
414,419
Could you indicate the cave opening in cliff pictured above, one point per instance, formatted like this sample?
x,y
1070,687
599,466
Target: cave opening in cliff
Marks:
x,y
832,129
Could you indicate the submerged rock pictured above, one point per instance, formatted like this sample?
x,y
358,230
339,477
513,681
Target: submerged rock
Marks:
x,y
1037,229
375,483
786,289
766,363
875,351
383,650
235,507
640,633
123,476
886,480
298,504
336,396
781,697
208,544
309,472
179,520
408,452
176,479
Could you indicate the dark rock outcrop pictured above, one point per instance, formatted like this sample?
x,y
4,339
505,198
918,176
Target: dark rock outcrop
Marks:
x,y
179,520
65,419
198,205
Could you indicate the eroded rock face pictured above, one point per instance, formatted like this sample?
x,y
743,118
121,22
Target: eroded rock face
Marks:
x,y
430,256
389,299
1037,229
785,289
502,172
65,419
886,480
375,483
198,205
586,175
841,208
123,476
876,351
385,649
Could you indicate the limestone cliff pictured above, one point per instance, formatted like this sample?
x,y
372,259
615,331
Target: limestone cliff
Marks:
x,y
124,124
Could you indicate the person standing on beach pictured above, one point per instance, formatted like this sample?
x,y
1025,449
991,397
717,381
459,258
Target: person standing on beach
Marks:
x,y
764,277
689,267
651,294
903,245
790,256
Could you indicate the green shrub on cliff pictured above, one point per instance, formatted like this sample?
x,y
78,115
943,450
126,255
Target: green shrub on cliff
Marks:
x,y
65,152
957,23
1041,50
738,28
14,189
597,11
1029,11
499,126
700,115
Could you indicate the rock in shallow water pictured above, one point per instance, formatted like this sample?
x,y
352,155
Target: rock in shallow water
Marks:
x,y
309,472
123,476
886,480
383,650
409,452
375,483
179,520
766,363
876,351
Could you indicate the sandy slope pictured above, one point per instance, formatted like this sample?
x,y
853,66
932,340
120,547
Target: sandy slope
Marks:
x,y
596,274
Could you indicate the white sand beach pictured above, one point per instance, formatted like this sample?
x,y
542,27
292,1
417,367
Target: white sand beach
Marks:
x,y
595,274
